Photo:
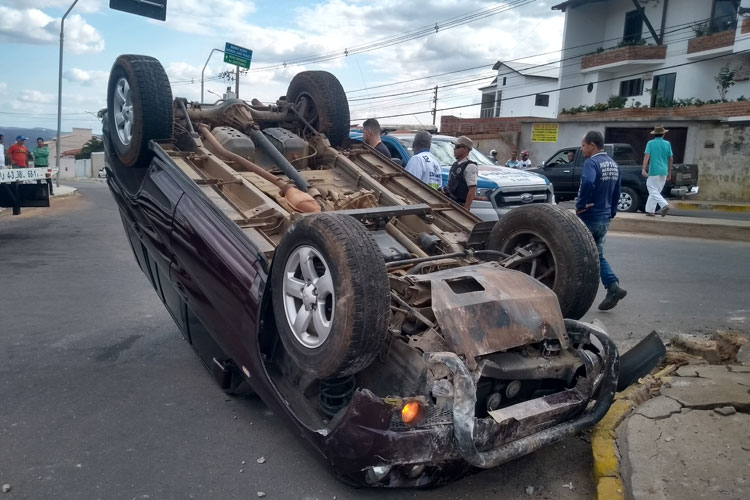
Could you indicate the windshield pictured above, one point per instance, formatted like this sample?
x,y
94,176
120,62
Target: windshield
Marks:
x,y
442,149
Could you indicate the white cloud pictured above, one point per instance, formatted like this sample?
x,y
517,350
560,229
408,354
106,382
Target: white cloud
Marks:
x,y
36,97
35,27
87,78
202,18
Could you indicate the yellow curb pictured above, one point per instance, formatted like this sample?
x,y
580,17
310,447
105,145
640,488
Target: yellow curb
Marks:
x,y
739,208
603,445
610,488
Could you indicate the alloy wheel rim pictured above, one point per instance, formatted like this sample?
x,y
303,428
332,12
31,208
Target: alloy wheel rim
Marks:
x,y
309,297
123,111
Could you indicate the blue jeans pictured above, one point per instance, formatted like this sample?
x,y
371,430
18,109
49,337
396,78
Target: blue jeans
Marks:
x,y
599,232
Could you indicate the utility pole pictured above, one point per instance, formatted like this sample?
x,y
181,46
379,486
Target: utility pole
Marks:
x,y
59,93
434,105
237,82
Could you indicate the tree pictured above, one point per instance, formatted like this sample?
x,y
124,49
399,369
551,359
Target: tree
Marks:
x,y
725,79
92,146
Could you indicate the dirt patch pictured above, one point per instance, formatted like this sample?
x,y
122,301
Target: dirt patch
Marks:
x,y
69,203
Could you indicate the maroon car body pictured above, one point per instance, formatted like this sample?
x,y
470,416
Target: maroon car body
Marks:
x,y
481,352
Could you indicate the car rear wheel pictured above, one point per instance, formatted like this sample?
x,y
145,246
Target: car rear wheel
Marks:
x,y
556,249
629,200
139,107
330,295
320,99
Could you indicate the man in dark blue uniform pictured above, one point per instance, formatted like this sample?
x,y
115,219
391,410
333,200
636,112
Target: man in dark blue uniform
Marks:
x,y
597,205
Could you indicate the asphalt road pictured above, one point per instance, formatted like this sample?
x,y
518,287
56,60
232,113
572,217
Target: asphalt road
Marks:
x,y
100,398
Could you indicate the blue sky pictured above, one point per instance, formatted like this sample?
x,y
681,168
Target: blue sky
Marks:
x,y
277,31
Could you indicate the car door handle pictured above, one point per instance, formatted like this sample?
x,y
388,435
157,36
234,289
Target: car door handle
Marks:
x,y
567,171
180,289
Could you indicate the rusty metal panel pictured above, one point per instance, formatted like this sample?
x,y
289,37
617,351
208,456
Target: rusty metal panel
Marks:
x,y
486,308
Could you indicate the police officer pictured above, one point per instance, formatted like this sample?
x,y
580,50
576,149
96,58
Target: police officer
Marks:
x,y
462,180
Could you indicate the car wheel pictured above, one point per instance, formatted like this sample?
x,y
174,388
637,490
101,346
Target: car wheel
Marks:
x,y
139,107
565,258
320,99
330,293
629,200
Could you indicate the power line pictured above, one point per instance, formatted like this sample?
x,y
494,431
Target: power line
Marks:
x,y
603,80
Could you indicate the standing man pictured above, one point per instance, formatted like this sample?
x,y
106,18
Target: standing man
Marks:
x,y
462,180
371,136
41,160
525,162
423,164
2,152
18,153
513,162
657,168
597,205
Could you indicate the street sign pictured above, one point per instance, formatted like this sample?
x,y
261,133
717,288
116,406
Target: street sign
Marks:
x,y
155,9
239,56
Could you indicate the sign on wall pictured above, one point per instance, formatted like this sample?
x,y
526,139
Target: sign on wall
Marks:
x,y
544,132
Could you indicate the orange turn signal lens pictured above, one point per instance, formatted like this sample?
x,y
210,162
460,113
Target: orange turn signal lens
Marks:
x,y
412,412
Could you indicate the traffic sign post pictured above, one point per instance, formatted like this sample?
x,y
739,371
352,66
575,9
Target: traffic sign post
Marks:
x,y
239,56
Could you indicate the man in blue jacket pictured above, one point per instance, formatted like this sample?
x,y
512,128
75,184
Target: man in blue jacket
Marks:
x,y
597,205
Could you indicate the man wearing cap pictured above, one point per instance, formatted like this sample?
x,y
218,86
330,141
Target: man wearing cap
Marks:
x,y
525,162
462,180
657,168
423,164
18,153
41,160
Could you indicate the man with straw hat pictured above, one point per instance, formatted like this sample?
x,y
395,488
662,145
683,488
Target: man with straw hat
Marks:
x,y
657,168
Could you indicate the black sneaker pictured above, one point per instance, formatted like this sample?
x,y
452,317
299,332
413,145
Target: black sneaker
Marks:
x,y
614,295
663,211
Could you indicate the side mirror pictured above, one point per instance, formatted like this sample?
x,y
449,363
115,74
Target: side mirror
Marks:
x,y
397,161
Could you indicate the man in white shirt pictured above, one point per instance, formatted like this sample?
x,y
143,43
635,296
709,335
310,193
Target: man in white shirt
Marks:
x,y
525,162
423,164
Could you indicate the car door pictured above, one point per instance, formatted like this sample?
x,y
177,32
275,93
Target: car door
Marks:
x,y
153,209
221,278
561,172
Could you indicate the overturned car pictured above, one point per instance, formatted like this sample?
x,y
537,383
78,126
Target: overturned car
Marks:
x,y
399,335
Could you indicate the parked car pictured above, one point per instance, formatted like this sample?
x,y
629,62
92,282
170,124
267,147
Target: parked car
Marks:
x,y
391,329
499,189
565,176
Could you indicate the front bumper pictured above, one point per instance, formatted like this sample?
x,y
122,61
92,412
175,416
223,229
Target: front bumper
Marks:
x,y
364,440
683,191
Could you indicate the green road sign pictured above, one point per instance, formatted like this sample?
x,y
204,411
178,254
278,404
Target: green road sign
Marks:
x,y
239,56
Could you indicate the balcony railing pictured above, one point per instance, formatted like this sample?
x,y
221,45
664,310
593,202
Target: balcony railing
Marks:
x,y
634,54
711,42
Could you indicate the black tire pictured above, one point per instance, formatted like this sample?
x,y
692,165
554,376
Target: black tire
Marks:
x,y
323,102
571,260
356,304
139,107
630,200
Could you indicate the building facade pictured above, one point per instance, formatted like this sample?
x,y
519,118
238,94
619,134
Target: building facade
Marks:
x,y
653,52
521,90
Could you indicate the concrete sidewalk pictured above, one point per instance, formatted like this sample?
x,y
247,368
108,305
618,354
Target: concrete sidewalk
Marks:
x,y
691,227
692,441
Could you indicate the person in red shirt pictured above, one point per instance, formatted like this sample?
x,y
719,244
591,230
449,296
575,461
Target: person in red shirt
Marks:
x,y
18,153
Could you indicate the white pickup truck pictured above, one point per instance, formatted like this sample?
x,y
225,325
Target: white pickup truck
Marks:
x,y
24,187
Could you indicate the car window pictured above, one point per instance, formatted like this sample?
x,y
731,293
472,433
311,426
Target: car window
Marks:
x,y
560,158
624,155
443,151
407,144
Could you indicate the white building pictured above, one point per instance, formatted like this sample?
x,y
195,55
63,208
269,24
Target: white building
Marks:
x,y
652,52
521,90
